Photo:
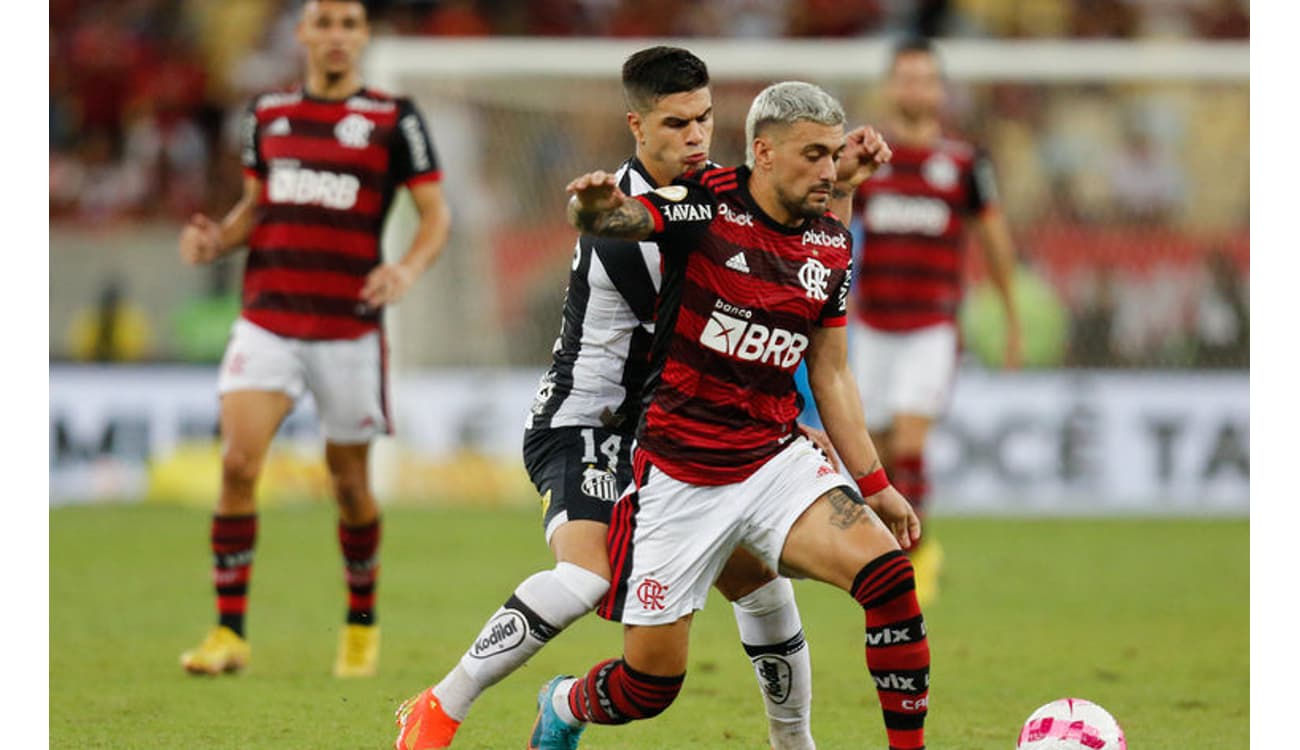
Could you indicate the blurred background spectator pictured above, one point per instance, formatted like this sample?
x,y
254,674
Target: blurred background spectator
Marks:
x,y
1114,191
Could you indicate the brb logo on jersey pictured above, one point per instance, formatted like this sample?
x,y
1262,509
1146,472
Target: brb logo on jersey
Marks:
x,y
890,213
312,187
814,276
353,131
751,342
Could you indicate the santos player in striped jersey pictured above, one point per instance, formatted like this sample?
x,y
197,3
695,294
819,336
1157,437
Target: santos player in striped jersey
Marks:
x,y
756,278
578,440
322,162
909,283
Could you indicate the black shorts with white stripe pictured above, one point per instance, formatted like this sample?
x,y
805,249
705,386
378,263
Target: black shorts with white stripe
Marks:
x,y
579,472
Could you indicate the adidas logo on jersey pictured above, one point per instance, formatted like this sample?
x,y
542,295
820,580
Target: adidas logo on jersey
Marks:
x,y
279,127
737,263
753,342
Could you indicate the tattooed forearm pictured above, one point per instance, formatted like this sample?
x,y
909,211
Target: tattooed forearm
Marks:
x,y
629,221
845,511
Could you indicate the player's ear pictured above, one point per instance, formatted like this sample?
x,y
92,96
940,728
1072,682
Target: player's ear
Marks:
x,y
762,153
634,124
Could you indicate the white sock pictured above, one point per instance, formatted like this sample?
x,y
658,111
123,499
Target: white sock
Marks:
x,y
560,702
772,634
543,605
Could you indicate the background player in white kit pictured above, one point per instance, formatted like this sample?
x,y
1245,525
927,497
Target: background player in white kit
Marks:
x,y
909,282
315,284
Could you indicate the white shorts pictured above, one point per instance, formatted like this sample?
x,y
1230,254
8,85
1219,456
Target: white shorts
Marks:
x,y
669,540
908,372
347,377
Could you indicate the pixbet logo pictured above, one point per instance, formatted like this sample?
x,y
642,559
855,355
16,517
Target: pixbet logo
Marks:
x,y
312,187
502,633
651,594
818,237
744,220
753,342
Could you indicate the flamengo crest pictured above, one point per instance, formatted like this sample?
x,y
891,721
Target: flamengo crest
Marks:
x,y
353,131
814,277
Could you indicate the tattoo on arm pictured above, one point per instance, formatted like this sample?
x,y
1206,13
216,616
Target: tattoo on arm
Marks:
x,y
630,221
845,511
839,193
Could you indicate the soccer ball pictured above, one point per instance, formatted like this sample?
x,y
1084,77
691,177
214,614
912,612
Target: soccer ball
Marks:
x,y
1071,724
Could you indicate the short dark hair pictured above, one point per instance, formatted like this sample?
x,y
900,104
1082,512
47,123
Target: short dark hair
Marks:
x,y
910,45
656,72
365,5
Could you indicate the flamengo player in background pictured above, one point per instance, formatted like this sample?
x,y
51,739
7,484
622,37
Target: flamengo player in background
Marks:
x,y
909,281
578,442
756,276
322,163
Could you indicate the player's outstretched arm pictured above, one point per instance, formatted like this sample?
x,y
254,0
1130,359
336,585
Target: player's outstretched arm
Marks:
x,y
390,282
865,151
995,237
836,394
204,240
599,208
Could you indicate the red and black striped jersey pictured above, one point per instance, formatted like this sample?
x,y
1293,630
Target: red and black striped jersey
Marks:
x,y
329,170
913,213
740,299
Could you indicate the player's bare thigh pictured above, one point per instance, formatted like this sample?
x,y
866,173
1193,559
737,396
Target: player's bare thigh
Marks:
x,y
907,434
833,539
249,420
743,575
582,542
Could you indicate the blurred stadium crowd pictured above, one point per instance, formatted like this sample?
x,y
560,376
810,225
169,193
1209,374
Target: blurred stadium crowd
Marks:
x,y
1119,194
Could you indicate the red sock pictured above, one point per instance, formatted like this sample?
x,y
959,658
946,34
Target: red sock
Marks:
x,y
898,653
232,540
907,474
614,693
360,569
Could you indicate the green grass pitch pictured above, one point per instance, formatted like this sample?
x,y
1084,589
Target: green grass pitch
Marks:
x,y
1148,618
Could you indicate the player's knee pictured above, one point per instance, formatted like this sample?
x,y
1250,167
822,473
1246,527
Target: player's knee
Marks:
x,y
352,493
240,468
767,598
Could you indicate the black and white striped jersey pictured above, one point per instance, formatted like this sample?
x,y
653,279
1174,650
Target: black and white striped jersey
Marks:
x,y
601,359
